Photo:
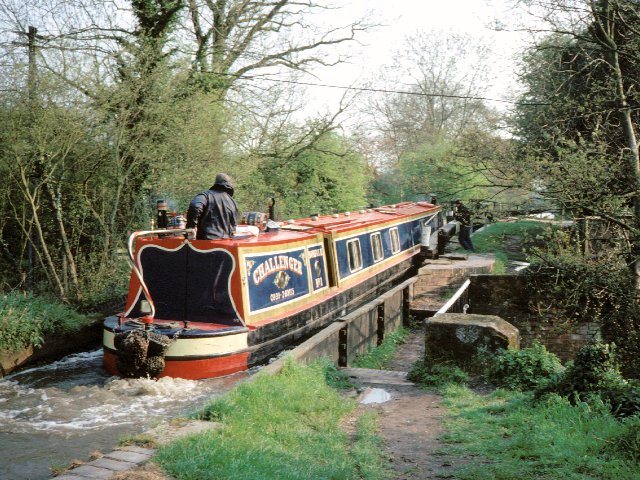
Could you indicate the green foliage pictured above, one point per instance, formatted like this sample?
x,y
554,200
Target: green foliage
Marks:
x,y
312,178
26,320
436,375
274,427
438,165
508,436
595,372
379,357
569,287
332,376
523,369
626,443
572,143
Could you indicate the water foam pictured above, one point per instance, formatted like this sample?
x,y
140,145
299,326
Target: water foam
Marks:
x,y
33,399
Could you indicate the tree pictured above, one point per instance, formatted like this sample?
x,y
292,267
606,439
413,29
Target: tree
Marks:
x,y
309,175
577,124
238,38
579,116
424,130
135,100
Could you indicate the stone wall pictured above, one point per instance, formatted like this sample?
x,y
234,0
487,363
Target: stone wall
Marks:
x,y
507,296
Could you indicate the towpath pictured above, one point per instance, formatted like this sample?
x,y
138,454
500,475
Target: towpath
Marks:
x,y
410,421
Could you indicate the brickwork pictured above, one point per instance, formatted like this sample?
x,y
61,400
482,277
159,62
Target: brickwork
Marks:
x,y
436,278
507,296
450,271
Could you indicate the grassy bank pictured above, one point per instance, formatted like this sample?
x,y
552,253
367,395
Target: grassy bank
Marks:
x,y
26,320
505,436
497,238
286,426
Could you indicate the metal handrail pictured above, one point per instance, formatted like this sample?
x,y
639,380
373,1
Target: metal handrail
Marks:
x,y
452,301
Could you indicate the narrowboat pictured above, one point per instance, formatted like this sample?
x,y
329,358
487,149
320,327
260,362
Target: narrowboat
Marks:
x,y
205,308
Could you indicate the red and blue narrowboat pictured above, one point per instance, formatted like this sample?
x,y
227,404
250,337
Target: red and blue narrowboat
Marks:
x,y
207,308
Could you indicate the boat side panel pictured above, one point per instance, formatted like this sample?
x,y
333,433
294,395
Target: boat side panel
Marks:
x,y
270,338
409,236
277,281
276,278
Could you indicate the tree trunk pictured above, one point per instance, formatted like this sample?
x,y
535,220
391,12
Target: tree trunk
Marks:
x,y
604,14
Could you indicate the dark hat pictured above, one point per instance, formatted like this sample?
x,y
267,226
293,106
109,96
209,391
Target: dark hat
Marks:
x,y
224,182
223,178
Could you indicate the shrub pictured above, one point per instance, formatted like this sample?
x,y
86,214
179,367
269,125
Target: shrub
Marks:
x,y
523,369
568,288
596,372
436,375
626,443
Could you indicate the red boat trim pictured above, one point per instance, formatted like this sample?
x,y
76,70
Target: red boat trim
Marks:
x,y
192,369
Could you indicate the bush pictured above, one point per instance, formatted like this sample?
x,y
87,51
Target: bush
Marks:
x,y
596,372
568,288
627,443
524,369
436,375
25,320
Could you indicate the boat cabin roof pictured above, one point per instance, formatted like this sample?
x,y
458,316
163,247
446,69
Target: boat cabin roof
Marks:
x,y
294,230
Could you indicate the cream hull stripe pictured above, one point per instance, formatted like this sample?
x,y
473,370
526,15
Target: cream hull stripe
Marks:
x,y
185,347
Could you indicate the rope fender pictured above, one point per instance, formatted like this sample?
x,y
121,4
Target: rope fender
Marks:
x,y
140,353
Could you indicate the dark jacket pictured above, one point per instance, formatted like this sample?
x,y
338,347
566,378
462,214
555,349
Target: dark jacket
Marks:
x,y
214,212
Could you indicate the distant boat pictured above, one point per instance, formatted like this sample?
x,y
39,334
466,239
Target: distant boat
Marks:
x,y
206,308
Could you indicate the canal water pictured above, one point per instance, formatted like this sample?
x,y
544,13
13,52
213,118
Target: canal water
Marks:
x,y
66,410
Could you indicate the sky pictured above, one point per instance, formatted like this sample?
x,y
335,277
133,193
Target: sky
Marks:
x,y
401,18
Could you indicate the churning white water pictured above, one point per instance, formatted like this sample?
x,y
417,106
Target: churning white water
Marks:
x,y
52,414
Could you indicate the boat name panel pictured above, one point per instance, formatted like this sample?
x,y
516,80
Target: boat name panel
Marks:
x,y
318,268
276,278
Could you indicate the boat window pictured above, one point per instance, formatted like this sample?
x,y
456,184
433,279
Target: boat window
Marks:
x,y
376,247
355,255
395,240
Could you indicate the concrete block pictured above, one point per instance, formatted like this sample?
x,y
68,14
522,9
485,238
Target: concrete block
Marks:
x,y
137,449
125,456
89,471
115,465
457,336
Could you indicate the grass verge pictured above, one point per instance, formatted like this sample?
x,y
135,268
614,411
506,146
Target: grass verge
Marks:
x,y
285,426
495,238
25,320
378,357
507,436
